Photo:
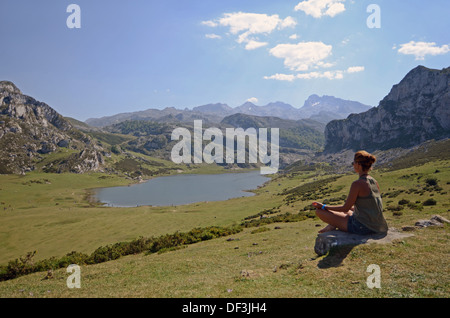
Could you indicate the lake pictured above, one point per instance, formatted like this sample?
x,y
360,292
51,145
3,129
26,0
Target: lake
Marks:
x,y
182,189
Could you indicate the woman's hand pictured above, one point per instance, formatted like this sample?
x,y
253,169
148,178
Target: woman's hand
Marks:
x,y
317,205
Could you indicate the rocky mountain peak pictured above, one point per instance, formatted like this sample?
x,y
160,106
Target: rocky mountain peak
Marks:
x,y
31,130
7,86
415,110
247,105
312,99
419,81
317,107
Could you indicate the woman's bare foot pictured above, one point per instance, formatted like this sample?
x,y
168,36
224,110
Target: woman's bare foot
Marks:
x,y
327,228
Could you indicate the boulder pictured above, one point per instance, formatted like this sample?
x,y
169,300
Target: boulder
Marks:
x,y
436,220
427,223
63,143
440,219
326,241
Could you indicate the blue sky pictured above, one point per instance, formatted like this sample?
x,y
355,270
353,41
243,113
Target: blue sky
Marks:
x,y
134,55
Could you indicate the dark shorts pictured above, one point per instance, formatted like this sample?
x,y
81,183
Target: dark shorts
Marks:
x,y
355,227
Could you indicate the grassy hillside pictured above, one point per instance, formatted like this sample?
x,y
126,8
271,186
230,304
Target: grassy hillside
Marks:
x,y
300,134
49,213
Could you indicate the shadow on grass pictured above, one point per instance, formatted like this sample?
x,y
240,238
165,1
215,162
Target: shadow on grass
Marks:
x,y
335,256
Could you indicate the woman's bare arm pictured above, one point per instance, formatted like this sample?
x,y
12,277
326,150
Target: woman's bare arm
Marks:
x,y
349,203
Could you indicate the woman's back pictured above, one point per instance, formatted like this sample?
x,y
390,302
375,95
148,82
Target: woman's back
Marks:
x,y
369,208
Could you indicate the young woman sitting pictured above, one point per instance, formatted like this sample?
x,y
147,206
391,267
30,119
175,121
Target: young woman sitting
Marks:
x,y
362,212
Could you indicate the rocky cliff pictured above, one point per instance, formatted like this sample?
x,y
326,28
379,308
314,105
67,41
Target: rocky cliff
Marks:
x,y
416,110
31,132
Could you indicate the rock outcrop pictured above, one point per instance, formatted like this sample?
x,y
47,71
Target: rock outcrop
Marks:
x,y
30,131
416,110
328,240
436,220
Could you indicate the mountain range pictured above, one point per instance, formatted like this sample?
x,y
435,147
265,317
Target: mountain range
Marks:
x,y
34,136
322,109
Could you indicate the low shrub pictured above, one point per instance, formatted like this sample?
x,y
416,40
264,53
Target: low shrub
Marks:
x,y
415,206
167,242
260,230
430,202
393,194
395,208
431,181
25,265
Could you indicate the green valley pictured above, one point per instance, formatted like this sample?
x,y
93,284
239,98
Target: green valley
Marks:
x,y
270,253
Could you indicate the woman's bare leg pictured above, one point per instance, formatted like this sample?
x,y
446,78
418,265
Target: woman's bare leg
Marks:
x,y
334,219
328,228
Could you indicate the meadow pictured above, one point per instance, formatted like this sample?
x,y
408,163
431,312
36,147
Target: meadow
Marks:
x,y
271,254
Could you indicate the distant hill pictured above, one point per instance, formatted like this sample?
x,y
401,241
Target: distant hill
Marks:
x,y
218,109
168,114
298,134
298,139
81,125
415,110
277,109
245,121
33,134
322,109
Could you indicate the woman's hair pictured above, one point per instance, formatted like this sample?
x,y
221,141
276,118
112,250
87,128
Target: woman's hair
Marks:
x,y
365,159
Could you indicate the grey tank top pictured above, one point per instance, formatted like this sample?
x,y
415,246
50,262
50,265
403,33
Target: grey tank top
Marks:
x,y
369,209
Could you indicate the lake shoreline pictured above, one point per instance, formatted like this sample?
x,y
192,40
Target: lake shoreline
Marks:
x,y
94,195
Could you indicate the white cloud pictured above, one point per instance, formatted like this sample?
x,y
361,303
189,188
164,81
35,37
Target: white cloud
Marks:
x,y
281,77
421,49
302,56
338,75
331,75
319,8
212,36
345,41
355,69
289,22
247,25
252,100
294,37
334,9
324,65
252,45
210,23
254,23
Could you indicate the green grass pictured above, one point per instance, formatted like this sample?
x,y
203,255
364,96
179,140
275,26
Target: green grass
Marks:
x,y
49,213
54,218
213,269
111,139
